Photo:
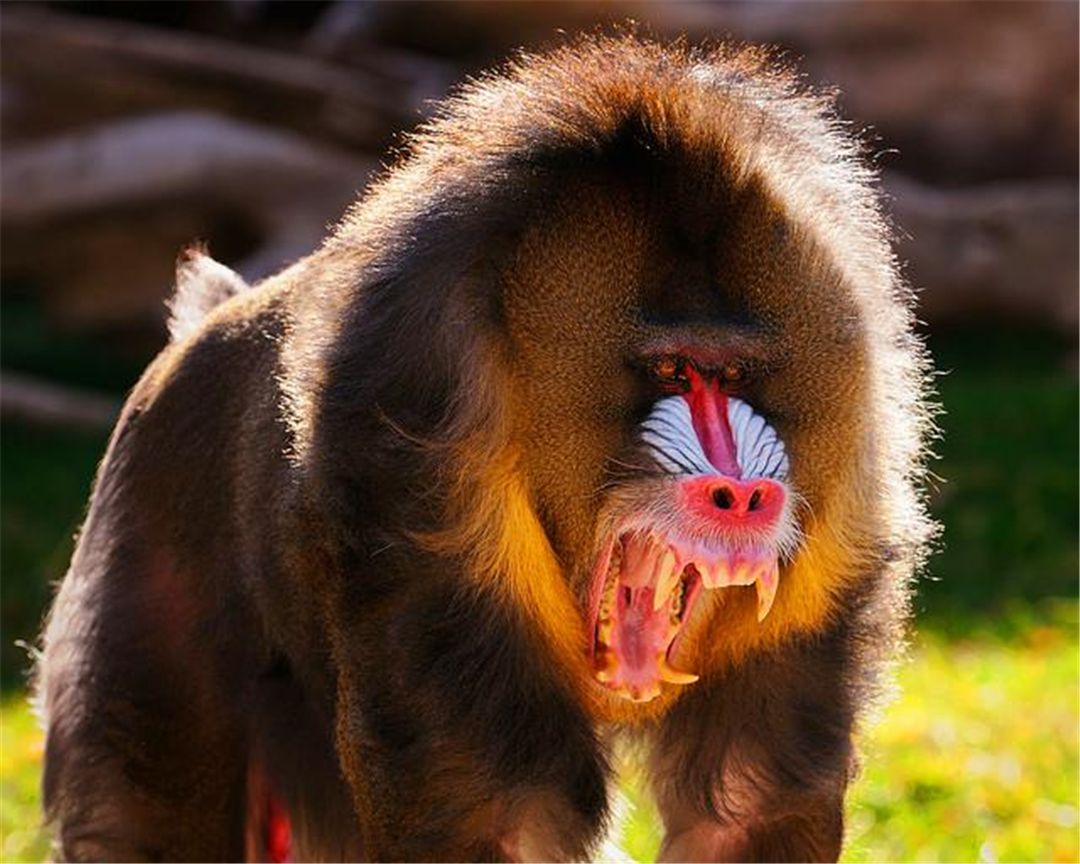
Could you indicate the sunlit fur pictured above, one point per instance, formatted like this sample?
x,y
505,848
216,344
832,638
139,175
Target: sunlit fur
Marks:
x,y
761,127
344,533
739,109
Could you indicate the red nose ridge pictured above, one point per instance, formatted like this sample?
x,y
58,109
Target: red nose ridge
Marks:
x,y
709,414
754,502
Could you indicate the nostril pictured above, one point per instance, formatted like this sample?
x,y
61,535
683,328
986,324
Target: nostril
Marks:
x,y
723,498
751,503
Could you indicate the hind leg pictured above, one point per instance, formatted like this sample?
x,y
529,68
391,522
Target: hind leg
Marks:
x,y
144,761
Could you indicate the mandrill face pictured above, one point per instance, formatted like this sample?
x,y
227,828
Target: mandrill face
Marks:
x,y
720,517
684,362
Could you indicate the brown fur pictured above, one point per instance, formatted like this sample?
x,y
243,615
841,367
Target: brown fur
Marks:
x,y
344,528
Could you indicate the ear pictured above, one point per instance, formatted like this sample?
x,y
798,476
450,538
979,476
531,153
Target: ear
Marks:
x,y
201,284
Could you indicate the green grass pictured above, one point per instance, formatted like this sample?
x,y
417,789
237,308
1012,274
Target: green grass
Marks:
x,y
21,836
976,760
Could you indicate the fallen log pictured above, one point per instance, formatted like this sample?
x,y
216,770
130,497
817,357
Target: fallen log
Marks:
x,y
152,157
32,400
71,69
95,219
1005,250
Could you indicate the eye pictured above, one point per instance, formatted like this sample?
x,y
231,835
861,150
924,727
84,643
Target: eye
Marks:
x,y
669,371
666,369
734,373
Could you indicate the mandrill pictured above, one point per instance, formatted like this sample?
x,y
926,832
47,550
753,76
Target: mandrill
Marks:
x,y
599,417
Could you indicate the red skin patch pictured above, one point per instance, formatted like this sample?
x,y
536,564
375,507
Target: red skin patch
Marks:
x,y
697,496
268,833
278,832
709,413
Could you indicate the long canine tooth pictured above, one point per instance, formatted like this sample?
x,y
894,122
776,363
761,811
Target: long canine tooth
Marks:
x,y
766,585
666,579
672,675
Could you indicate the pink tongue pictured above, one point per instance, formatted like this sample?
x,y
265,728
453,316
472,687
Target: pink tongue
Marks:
x,y
639,637
639,559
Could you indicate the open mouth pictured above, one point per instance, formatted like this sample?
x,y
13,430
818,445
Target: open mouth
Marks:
x,y
645,592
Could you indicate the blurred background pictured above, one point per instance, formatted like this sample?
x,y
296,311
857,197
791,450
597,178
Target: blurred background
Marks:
x,y
129,130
